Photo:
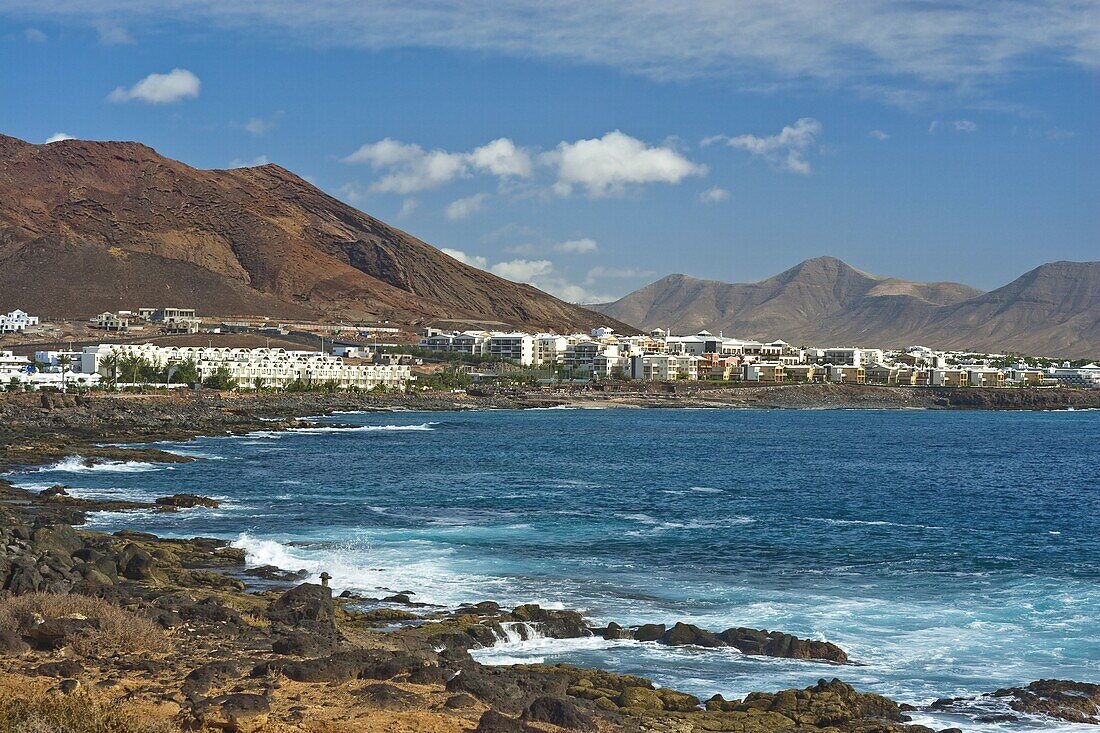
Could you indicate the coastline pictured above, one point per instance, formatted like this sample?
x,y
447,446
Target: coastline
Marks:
x,y
198,591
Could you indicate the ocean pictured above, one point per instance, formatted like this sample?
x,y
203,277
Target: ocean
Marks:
x,y
949,553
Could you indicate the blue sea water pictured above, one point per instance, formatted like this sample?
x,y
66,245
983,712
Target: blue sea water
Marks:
x,y
950,553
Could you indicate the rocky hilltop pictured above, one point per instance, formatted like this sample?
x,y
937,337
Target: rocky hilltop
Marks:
x,y
1051,310
133,227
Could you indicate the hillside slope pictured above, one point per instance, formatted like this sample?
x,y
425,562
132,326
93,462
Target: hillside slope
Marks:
x,y
1054,309
87,226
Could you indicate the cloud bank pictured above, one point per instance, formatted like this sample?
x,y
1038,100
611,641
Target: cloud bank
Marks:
x,y
867,44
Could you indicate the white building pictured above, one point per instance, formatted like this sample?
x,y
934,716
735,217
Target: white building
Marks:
x,y
517,347
251,368
846,356
17,321
1087,376
550,349
664,367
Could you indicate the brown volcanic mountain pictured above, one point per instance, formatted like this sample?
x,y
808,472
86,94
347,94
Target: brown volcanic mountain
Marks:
x,y
1054,309
92,226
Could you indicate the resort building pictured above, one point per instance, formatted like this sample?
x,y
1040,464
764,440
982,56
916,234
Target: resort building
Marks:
x,y
111,322
16,321
515,347
251,368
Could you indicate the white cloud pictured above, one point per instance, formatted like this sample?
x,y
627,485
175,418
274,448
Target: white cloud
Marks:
x,y
58,137
787,148
409,168
501,157
111,34
526,271
177,84
479,262
602,166
543,275
879,135
408,206
600,271
34,35
466,207
608,165
882,43
585,245
352,193
714,195
241,163
257,125
956,125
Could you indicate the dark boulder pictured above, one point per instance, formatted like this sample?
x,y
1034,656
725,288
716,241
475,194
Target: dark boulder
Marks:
x,y
688,634
186,501
778,644
828,703
201,679
63,668
559,711
1076,702
388,697
460,701
237,712
135,563
302,644
552,623
649,632
59,538
510,689
54,633
493,722
12,644
277,574
24,577
429,675
305,605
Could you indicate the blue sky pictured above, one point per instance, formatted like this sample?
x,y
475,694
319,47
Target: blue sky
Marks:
x,y
591,149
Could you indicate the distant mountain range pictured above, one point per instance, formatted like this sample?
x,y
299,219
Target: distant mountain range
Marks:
x,y
1051,310
92,226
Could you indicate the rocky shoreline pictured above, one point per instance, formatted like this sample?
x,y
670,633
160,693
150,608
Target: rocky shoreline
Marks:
x,y
128,631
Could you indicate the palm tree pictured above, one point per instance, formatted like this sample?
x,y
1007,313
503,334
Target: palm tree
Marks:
x,y
64,360
111,364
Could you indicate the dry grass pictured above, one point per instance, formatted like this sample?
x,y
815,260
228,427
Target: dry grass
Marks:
x,y
114,630
76,713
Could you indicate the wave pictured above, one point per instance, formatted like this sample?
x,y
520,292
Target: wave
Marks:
x,y
427,426
77,464
358,564
871,523
322,429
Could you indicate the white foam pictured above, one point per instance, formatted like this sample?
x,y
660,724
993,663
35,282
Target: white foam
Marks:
x,y
77,464
358,565
427,426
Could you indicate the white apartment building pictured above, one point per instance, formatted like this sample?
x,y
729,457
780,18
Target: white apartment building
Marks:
x,y
1087,376
53,361
580,357
254,367
847,356
16,321
549,349
517,347
664,367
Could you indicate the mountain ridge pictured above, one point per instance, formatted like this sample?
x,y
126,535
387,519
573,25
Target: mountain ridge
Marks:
x,y
1053,309
267,242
